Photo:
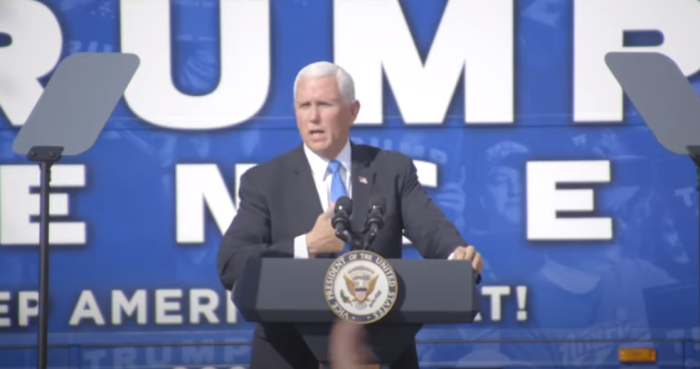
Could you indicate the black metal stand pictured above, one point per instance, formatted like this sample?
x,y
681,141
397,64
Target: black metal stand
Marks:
x,y
355,239
46,156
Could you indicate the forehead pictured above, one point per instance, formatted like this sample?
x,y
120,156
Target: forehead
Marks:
x,y
310,88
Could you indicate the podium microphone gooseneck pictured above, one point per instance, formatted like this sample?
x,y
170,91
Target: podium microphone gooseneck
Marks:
x,y
375,220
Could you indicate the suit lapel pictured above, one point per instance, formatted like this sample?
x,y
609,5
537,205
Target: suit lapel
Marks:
x,y
307,203
363,178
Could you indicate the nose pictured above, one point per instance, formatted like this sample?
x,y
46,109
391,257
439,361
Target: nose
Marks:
x,y
315,115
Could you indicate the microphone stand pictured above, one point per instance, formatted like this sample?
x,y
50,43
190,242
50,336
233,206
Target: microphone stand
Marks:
x,y
355,239
358,240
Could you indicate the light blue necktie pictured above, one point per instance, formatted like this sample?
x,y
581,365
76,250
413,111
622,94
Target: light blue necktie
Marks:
x,y
338,189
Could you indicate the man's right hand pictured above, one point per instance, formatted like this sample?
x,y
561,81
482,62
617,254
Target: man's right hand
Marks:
x,y
321,239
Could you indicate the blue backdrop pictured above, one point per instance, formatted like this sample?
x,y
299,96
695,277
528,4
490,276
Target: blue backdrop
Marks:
x,y
156,189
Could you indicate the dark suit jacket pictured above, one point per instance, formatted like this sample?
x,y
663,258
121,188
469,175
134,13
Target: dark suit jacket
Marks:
x,y
279,201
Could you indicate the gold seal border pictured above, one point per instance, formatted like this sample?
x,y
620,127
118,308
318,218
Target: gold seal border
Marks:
x,y
379,257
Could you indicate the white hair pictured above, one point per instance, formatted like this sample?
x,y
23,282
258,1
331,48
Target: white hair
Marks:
x,y
324,69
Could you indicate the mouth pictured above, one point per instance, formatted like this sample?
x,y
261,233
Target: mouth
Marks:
x,y
315,133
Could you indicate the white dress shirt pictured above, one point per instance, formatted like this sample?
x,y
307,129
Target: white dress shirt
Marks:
x,y
322,179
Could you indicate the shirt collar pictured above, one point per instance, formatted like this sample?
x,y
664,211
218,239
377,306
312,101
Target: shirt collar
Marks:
x,y
319,164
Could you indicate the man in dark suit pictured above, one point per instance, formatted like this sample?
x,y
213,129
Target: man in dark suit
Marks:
x,y
285,205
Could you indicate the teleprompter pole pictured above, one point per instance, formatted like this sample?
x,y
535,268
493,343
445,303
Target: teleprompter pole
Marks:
x,y
46,156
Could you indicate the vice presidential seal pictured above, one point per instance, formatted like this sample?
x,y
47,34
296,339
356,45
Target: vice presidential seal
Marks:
x,y
360,287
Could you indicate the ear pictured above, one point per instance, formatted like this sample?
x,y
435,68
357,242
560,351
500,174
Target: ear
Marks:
x,y
355,109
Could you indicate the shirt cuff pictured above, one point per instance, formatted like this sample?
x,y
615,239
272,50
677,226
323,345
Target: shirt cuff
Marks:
x,y
300,249
451,255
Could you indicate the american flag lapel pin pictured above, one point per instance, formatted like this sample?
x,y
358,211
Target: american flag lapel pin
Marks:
x,y
363,180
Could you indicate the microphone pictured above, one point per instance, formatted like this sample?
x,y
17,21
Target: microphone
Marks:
x,y
341,217
375,218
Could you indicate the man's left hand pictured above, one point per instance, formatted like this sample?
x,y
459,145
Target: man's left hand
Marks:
x,y
469,253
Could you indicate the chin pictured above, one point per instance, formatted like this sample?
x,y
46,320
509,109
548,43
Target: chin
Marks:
x,y
318,146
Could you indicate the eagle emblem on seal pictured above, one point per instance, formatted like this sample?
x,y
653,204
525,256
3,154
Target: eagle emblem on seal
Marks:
x,y
360,283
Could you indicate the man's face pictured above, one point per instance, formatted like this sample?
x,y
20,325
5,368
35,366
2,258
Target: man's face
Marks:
x,y
505,192
323,117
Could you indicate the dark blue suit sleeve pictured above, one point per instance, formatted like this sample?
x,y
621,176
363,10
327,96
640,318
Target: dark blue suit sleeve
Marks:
x,y
249,234
424,223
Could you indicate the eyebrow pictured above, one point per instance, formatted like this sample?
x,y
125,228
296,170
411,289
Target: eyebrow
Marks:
x,y
334,101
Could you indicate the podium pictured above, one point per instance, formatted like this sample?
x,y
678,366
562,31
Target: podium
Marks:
x,y
283,290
